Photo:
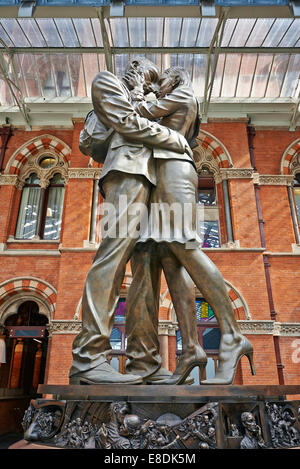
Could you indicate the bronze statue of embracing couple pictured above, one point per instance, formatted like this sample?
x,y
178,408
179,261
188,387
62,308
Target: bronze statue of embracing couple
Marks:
x,y
148,162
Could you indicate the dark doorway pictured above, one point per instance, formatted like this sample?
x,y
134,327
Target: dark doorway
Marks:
x,y
26,349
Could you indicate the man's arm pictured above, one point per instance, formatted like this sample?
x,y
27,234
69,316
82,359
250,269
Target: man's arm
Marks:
x,y
114,109
156,109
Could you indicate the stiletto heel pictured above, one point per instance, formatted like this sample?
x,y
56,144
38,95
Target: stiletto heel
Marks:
x,y
249,355
185,366
226,371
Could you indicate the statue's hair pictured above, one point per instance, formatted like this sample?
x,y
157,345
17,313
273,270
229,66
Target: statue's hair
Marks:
x,y
149,68
180,73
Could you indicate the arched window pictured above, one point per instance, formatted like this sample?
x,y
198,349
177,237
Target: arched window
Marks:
x,y
29,208
53,207
207,210
208,336
41,207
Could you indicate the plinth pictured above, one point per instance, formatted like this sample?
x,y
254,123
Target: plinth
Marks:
x,y
163,417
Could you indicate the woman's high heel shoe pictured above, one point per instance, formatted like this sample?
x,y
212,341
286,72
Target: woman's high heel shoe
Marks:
x,y
226,370
185,366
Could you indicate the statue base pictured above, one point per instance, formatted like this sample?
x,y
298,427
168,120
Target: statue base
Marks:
x,y
164,417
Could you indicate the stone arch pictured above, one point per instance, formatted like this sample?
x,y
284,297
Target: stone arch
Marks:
x,y
211,153
34,148
290,160
15,291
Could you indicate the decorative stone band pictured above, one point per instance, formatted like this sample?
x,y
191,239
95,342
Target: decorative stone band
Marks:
x,y
275,180
263,327
236,173
65,326
84,173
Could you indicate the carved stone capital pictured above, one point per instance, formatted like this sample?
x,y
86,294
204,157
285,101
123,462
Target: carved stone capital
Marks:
x,y
167,328
8,180
84,173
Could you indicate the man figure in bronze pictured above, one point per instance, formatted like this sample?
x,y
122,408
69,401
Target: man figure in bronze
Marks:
x,y
129,170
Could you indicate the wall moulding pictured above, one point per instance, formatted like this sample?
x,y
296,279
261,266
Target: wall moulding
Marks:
x,y
84,173
237,173
263,327
275,180
65,326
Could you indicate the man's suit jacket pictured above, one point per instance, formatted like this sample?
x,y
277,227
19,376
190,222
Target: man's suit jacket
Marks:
x,y
136,139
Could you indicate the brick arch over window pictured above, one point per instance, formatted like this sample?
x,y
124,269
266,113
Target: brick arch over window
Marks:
x,y
37,287
239,304
290,159
215,148
37,145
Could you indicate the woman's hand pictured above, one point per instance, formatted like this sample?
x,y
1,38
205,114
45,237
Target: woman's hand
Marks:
x,y
135,80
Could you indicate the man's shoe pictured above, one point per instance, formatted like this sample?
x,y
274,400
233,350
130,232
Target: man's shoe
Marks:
x,y
161,375
104,374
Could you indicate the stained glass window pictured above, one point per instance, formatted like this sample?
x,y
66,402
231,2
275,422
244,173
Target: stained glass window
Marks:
x,y
204,311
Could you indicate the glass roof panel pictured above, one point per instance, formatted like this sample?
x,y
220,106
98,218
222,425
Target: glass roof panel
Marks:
x,y
279,68
260,81
172,32
189,32
67,32
292,35
13,30
119,31
31,29
231,70
246,75
206,32
259,32
84,32
218,76
50,32
276,32
97,32
292,77
5,37
228,31
137,32
242,31
30,66
199,66
154,29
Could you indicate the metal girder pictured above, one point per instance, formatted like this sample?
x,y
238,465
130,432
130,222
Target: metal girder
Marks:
x,y
106,44
7,69
214,50
147,50
185,11
296,109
